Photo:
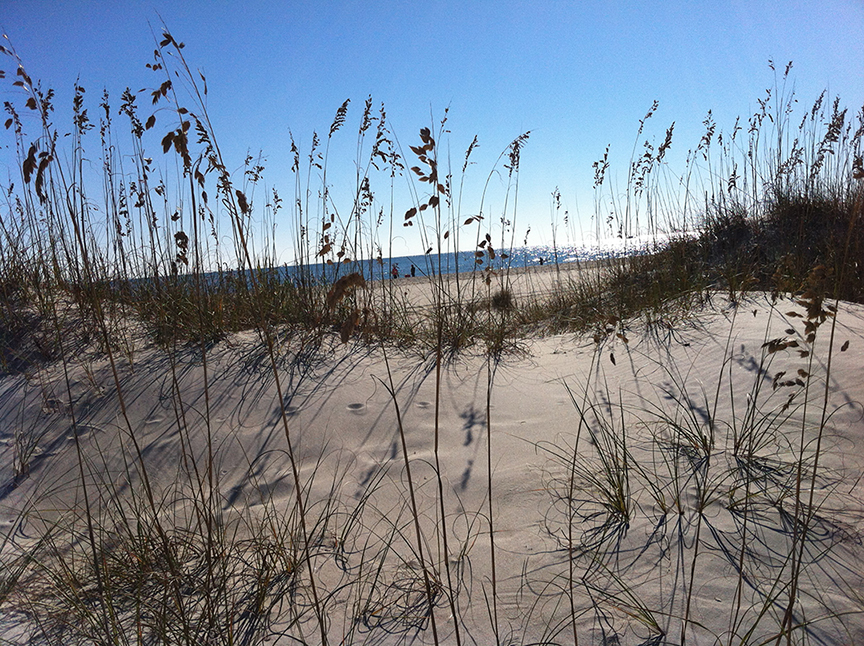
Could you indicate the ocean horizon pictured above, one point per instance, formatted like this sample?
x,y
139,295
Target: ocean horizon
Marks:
x,y
431,264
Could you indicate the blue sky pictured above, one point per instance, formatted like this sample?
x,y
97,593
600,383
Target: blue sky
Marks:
x,y
578,75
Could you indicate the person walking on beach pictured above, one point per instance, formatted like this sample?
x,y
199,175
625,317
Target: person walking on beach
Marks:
x,y
413,271
395,271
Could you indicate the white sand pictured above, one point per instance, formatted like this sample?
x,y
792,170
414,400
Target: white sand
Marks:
x,y
523,283
629,586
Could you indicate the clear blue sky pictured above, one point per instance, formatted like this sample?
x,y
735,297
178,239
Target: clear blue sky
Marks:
x,y
578,75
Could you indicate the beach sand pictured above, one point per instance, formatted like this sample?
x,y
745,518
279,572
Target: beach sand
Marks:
x,y
533,282
676,507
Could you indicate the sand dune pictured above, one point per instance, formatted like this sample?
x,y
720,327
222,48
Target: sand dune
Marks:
x,y
641,488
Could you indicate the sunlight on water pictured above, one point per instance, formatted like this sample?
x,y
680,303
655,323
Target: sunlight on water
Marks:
x,y
448,263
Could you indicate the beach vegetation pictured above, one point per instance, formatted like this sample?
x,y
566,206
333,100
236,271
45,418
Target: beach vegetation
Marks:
x,y
157,264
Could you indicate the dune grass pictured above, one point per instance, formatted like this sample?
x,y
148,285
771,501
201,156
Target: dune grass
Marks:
x,y
90,287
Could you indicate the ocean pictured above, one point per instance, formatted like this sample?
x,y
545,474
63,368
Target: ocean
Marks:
x,y
453,262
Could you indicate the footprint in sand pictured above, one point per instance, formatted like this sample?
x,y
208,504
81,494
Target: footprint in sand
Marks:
x,y
52,405
357,409
423,405
292,410
83,430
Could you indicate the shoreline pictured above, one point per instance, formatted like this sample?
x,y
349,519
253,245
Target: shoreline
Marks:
x,y
533,282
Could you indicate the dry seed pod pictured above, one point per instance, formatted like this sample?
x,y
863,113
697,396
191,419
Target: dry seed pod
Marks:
x,y
341,287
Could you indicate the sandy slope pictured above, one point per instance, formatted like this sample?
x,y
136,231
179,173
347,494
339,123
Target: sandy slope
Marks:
x,y
631,578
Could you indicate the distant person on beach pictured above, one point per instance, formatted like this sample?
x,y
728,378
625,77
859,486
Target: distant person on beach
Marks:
x,y
395,271
541,262
413,271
